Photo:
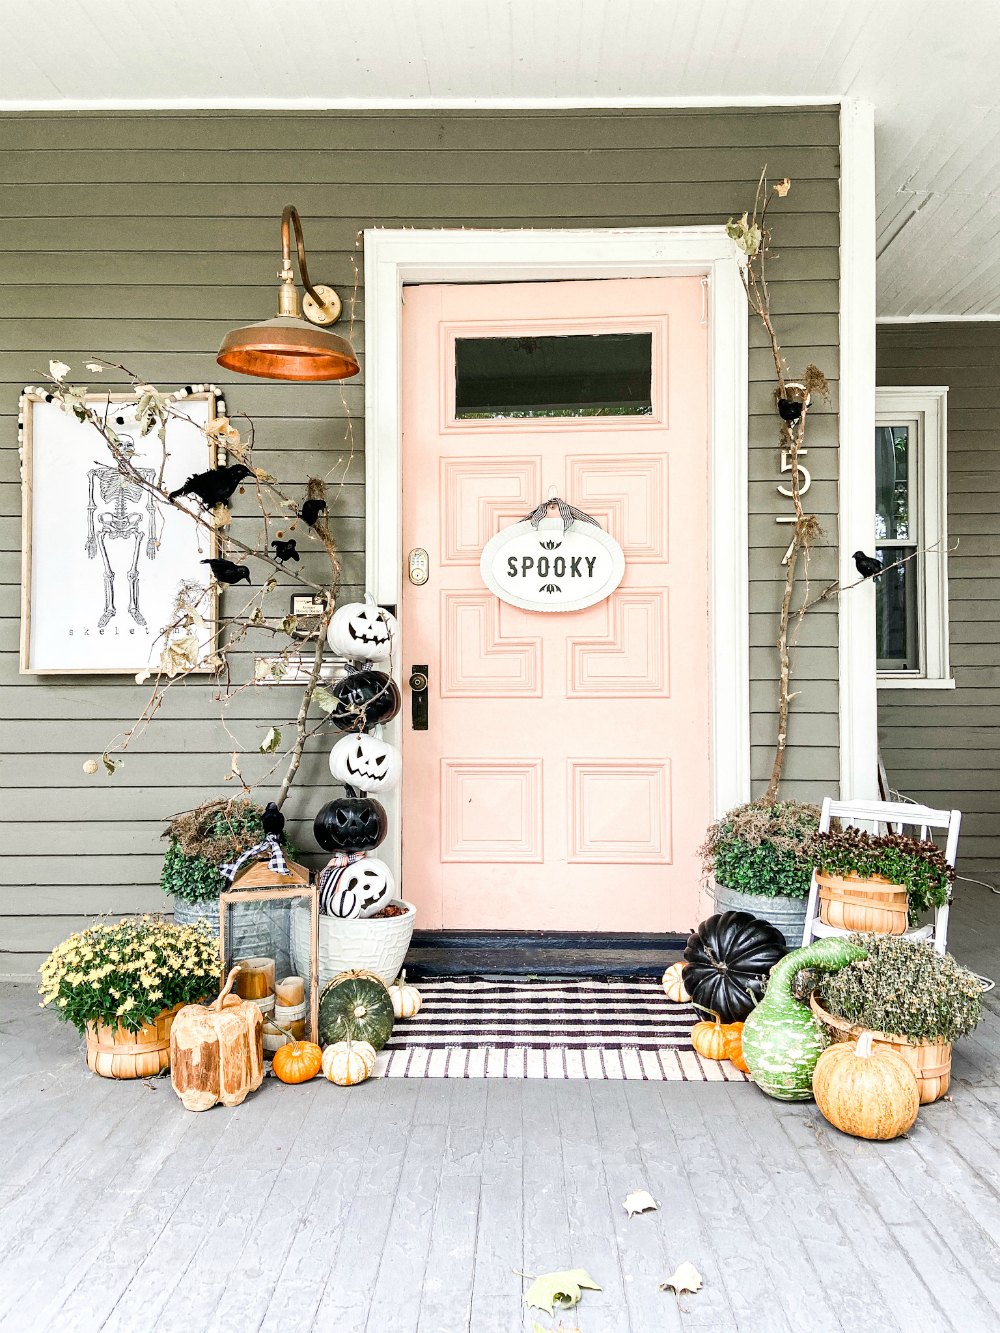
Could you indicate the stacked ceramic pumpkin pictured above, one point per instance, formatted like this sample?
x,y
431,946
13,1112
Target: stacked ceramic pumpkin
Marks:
x,y
353,883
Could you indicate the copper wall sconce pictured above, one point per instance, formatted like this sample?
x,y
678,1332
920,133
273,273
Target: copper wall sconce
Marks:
x,y
293,345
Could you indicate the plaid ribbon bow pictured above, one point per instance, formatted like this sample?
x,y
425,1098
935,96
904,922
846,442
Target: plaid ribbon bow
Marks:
x,y
270,847
567,512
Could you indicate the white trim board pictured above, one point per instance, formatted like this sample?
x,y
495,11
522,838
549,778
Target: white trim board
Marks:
x,y
396,257
937,319
857,675
582,103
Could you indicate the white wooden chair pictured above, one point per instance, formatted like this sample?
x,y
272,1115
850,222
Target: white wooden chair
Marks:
x,y
878,816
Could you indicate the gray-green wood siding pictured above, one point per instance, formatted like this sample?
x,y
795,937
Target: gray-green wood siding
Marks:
x,y
144,237
943,746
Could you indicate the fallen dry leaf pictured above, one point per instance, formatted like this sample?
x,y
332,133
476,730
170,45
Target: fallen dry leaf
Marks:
x,y
782,187
639,1201
550,1290
685,1278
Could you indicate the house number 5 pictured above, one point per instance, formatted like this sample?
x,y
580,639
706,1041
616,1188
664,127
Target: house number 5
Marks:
x,y
805,481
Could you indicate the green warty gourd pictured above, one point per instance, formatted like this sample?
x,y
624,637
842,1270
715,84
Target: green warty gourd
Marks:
x,y
782,1040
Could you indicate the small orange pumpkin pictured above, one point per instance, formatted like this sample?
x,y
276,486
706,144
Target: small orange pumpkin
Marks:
x,y
734,1052
714,1041
297,1061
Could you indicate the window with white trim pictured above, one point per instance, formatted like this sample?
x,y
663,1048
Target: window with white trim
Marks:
x,y
911,533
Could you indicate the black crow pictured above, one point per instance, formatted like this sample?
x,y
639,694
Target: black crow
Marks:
x,y
311,511
285,550
273,821
228,572
866,565
214,486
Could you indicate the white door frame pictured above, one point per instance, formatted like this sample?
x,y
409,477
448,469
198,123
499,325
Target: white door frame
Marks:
x,y
397,257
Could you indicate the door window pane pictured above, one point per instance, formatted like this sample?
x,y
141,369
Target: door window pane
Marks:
x,y
892,483
896,625
577,375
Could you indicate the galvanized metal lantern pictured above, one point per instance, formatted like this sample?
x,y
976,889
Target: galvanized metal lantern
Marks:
x,y
273,976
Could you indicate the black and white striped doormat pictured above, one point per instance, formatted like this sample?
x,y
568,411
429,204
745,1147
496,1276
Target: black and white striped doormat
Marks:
x,y
552,1027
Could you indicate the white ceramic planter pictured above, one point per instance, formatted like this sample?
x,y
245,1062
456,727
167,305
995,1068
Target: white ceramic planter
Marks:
x,y
371,944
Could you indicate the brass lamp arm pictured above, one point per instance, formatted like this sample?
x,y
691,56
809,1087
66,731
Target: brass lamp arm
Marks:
x,y
290,216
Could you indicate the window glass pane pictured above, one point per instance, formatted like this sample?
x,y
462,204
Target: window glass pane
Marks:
x,y
896,621
579,375
892,483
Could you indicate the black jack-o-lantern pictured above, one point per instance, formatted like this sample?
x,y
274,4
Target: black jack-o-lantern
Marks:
x,y
350,824
364,700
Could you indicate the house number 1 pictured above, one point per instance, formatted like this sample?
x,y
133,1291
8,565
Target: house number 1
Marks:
x,y
804,484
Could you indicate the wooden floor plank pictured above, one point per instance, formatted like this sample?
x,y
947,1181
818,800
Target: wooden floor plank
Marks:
x,y
687,1232
303,1274
500,1253
354,1265
446,1298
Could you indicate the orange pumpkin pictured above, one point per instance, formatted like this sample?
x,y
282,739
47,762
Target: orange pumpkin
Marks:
x,y
297,1061
734,1052
713,1041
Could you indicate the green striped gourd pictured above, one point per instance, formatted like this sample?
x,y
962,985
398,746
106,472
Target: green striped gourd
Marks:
x,y
781,1039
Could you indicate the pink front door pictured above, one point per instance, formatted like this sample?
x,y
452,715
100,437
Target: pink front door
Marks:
x,y
562,780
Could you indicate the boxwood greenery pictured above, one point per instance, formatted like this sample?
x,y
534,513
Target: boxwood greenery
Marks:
x,y
763,848
904,988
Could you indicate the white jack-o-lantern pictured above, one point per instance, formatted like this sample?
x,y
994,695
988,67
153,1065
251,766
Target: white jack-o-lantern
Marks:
x,y
361,889
328,882
366,763
362,632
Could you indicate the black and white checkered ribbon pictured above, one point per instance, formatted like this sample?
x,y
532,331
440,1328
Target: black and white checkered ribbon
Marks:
x,y
567,512
270,847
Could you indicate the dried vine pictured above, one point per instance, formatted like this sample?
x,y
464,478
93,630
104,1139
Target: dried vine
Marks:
x,y
753,237
181,652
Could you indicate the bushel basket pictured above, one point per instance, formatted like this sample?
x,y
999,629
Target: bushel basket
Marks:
x,y
869,905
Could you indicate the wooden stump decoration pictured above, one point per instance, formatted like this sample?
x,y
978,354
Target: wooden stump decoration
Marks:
x,y
216,1051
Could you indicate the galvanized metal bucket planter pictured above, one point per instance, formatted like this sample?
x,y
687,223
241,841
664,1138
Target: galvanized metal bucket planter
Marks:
x,y
788,914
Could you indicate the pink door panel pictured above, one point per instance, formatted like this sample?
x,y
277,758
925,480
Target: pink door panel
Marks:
x,y
563,781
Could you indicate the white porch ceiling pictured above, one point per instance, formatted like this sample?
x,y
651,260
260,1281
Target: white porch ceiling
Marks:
x,y
931,69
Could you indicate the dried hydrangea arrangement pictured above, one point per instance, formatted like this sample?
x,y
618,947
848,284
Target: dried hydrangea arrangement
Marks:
x,y
762,848
904,988
917,865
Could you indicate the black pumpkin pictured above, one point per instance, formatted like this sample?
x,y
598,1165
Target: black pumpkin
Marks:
x,y
364,699
350,824
728,960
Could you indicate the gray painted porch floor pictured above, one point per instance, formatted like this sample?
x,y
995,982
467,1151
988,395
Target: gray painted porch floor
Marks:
x,y
411,1206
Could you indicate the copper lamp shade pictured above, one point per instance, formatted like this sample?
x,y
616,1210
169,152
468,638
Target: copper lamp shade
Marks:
x,y
293,346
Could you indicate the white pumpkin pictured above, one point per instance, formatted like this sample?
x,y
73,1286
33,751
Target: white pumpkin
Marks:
x,y
328,883
362,889
362,632
673,984
366,763
406,999
348,1062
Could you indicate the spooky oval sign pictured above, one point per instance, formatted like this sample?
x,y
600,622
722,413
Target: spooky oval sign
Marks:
x,y
547,568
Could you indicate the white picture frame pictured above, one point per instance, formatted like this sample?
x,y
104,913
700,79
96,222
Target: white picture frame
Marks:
x,y
101,563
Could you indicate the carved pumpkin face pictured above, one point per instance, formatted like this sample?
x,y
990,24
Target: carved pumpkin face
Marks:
x,y
364,699
359,889
350,824
366,763
362,632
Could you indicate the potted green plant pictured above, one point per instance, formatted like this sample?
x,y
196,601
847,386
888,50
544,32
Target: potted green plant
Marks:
x,y
121,985
878,882
758,860
199,842
909,997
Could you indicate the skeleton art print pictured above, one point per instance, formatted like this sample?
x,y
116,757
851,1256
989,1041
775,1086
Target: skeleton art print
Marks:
x,y
104,559
129,519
